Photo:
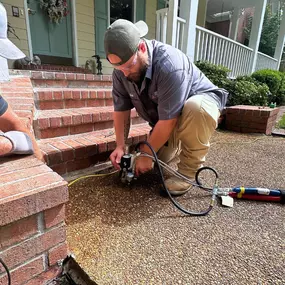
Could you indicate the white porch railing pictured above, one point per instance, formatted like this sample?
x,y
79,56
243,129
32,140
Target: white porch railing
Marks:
x,y
161,24
220,50
264,61
213,47
161,28
180,33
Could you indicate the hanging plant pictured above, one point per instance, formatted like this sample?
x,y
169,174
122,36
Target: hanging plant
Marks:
x,y
55,9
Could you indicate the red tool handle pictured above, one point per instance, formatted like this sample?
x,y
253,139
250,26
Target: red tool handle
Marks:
x,y
257,197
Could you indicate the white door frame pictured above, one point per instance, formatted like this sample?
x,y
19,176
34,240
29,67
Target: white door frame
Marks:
x,y
74,33
28,29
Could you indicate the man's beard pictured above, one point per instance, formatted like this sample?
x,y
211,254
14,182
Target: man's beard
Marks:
x,y
138,76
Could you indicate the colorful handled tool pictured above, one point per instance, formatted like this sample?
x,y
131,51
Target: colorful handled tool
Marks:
x,y
260,194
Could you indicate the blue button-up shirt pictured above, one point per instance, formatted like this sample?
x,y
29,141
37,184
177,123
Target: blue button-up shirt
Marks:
x,y
171,78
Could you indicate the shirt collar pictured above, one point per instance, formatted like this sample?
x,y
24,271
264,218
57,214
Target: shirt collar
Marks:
x,y
148,73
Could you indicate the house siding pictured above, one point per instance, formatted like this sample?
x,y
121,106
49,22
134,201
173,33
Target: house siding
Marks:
x,y
85,30
85,25
151,18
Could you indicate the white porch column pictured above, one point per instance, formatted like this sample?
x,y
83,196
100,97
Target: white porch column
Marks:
x,y
256,29
188,11
172,22
202,13
234,24
280,42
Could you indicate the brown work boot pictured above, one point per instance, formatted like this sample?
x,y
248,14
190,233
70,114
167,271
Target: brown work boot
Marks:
x,y
176,186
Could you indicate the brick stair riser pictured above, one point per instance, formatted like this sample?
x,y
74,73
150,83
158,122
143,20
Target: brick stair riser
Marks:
x,y
66,99
48,76
36,75
70,83
77,123
67,80
67,155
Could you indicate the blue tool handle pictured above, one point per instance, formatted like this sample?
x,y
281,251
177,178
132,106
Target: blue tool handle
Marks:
x,y
255,190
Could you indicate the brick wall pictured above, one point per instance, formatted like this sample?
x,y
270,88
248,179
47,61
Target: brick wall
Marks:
x,y
32,204
251,119
29,246
32,211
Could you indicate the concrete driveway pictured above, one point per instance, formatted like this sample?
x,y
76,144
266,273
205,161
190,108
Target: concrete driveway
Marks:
x,y
132,235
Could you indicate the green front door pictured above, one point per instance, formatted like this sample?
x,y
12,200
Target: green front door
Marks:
x,y
51,41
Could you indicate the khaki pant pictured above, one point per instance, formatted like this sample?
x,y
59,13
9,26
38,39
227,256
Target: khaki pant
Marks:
x,y
191,137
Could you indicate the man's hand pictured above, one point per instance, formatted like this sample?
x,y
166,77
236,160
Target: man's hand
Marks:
x,y
116,156
143,164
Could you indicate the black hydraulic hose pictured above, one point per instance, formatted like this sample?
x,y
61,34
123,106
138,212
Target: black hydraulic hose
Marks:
x,y
197,176
176,204
7,271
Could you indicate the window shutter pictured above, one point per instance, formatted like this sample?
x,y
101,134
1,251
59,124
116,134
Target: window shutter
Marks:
x,y
140,10
160,4
101,22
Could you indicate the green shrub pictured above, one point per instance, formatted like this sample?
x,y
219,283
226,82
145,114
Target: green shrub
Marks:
x,y
247,78
281,123
248,92
280,96
273,79
244,90
218,74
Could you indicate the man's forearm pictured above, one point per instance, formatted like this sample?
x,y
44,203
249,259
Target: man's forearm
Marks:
x,y
160,134
122,123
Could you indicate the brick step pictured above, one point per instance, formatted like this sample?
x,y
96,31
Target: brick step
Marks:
x,y
69,153
63,122
24,180
57,68
32,227
66,98
61,79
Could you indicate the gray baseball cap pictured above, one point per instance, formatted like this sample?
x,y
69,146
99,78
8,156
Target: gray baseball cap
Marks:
x,y
122,38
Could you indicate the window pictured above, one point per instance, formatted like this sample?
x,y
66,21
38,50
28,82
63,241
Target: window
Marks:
x,y
107,11
121,9
165,4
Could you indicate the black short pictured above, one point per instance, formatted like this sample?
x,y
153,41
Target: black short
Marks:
x,y
3,105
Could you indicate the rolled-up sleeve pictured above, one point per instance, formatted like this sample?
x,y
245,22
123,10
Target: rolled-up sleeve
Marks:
x,y
121,98
3,105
